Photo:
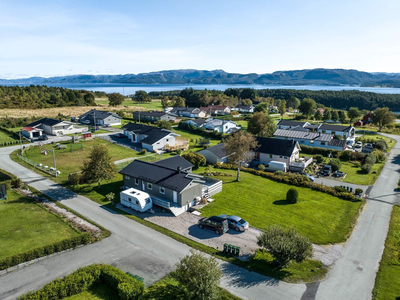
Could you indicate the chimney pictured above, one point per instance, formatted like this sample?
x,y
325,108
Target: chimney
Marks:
x,y
179,170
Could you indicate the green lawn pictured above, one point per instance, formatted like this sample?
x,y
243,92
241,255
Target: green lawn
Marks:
x,y
242,123
192,136
357,176
96,292
387,283
26,225
6,137
323,218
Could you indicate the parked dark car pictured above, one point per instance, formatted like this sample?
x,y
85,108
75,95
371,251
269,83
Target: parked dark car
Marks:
x,y
327,170
43,138
236,222
119,135
368,148
338,174
217,224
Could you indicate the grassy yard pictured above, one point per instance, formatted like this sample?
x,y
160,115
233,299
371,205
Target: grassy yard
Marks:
x,y
192,136
6,137
242,123
387,283
356,176
26,225
96,292
323,218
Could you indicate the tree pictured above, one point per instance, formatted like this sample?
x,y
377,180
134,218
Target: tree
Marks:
x,y
247,102
336,164
262,107
307,107
199,275
239,147
293,102
141,96
292,196
115,99
353,114
164,124
98,166
89,99
342,116
179,102
165,102
334,116
285,244
261,124
382,116
196,159
248,93
282,107
318,115
327,115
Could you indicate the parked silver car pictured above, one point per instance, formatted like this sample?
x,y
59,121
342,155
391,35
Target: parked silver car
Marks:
x,y
236,222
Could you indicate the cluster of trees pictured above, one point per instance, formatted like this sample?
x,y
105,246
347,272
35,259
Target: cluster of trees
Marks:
x,y
32,97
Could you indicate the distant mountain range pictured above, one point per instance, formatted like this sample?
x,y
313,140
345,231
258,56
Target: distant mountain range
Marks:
x,y
190,76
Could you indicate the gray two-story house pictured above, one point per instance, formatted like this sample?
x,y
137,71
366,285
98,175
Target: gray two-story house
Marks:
x,y
153,116
98,117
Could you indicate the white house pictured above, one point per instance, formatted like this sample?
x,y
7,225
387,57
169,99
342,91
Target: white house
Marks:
x,y
216,109
56,127
150,138
346,132
31,132
188,112
219,125
243,108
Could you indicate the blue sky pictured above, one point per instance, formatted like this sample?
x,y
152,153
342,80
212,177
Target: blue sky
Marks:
x,y
50,38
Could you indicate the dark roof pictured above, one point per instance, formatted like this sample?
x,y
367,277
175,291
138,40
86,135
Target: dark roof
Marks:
x,y
157,114
98,114
299,128
160,175
45,121
334,127
199,121
291,123
312,126
275,146
154,134
305,135
174,162
218,150
337,143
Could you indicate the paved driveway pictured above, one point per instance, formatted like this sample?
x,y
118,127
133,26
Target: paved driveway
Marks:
x,y
123,142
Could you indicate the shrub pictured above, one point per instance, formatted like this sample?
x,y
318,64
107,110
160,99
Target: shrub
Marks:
x,y
285,244
319,150
370,159
380,156
164,124
261,167
366,168
16,183
110,197
335,164
319,158
292,196
196,159
340,189
381,145
74,178
143,152
358,191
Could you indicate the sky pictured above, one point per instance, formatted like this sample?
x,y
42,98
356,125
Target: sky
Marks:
x,y
55,38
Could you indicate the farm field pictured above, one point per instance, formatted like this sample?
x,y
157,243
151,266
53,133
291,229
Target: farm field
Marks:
x,y
25,226
154,105
323,218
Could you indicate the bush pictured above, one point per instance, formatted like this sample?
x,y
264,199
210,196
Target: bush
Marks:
x,y
370,159
292,196
336,164
358,191
340,189
381,145
74,178
16,183
319,158
164,124
285,244
196,159
143,152
261,167
366,168
319,150
380,156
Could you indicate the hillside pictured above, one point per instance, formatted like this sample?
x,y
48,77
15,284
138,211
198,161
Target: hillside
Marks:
x,y
191,76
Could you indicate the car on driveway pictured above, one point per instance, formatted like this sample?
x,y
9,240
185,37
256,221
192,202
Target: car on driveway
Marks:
x,y
368,148
119,135
358,145
327,170
308,175
236,222
217,224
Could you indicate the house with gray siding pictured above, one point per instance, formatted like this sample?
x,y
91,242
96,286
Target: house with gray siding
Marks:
x,y
153,116
215,154
98,117
170,188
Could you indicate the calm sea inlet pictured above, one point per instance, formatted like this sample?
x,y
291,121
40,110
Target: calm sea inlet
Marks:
x,y
129,89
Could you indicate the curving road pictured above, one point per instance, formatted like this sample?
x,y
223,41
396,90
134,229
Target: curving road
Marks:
x,y
140,250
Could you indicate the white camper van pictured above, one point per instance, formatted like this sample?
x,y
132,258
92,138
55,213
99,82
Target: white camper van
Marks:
x,y
136,199
276,166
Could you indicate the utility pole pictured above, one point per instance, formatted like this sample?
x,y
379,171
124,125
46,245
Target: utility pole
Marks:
x,y
94,120
138,110
20,140
54,161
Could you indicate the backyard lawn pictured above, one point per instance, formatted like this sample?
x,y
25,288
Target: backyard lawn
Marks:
x,y
192,136
323,218
25,226
6,137
387,283
356,176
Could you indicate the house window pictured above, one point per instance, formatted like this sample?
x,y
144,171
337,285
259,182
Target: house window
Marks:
x,y
285,157
149,186
270,156
167,140
136,181
127,177
257,156
162,190
280,156
322,143
129,199
311,142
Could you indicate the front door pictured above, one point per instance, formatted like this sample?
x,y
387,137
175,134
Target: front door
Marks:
x,y
175,197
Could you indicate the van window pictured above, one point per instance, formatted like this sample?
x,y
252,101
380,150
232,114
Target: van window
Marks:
x,y
129,199
147,200
137,202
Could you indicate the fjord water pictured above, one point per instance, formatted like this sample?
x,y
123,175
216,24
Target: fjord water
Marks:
x,y
129,89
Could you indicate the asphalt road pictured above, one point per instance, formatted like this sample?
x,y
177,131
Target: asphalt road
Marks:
x,y
147,253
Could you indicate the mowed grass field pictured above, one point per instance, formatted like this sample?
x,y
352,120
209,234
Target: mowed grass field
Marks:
x,y
25,226
357,176
6,137
387,283
323,218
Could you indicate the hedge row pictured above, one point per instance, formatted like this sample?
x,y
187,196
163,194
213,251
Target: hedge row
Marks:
x,y
319,150
17,259
82,279
293,179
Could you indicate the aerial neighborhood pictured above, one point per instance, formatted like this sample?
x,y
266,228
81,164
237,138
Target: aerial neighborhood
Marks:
x,y
219,178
